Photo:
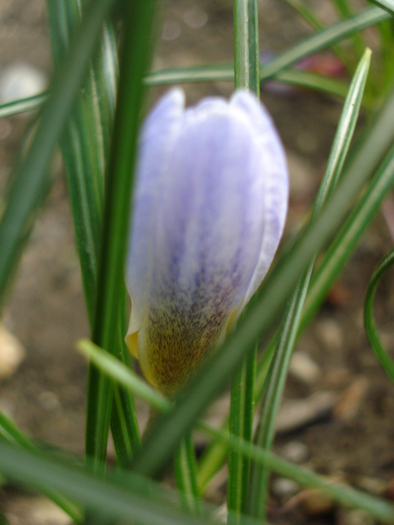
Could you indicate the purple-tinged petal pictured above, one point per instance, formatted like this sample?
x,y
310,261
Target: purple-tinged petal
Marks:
x,y
158,135
274,175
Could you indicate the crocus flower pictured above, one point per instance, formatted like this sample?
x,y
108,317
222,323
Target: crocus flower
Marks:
x,y
209,211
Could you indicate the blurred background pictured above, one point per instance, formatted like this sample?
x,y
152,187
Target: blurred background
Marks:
x,y
337,415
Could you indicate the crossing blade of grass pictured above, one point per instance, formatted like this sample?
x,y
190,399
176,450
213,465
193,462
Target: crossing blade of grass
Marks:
x,y
12,434
345,11
23,105
388,5
225,73
317,25
246,76
111,500
338,492
328,271
85,149
290,323
134,63
324,39
370,326
32,179
260,317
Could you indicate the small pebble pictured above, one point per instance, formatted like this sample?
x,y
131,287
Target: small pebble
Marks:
x,y
295,451
284,487
302,177
348,404
315,503
296,414
355,517
171,30
12,353
329,334
307,141
220,514
49,401
303,368
35,511
20,80
195,18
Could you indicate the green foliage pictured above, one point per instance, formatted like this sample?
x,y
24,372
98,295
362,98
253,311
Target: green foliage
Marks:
x,y
94,114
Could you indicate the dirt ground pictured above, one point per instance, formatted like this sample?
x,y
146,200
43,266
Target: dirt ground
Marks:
x,y
352,436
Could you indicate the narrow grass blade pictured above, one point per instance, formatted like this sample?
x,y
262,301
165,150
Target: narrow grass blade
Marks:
x,y
12,434
241,425
370,326
339,492
246,76
22,105
161,441
290,323
116,498
388,5
345,11
307,14
134,63
32,179
185,475
324,39
246,45
318,26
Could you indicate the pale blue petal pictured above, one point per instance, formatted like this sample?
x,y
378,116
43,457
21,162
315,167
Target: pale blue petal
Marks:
x,y
158,135
274,176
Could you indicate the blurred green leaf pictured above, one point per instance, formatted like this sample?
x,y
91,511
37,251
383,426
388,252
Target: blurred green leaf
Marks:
x,y
12,434
117,498
134,63
32,179
388,5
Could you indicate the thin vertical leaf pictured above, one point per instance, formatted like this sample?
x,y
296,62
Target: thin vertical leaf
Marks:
x,y
246,76
135,59
85,149
185,475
